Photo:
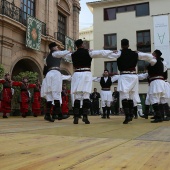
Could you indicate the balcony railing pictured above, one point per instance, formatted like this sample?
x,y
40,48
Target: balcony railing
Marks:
x,y
60,37
12,11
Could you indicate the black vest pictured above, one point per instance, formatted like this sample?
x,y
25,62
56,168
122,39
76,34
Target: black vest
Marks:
x,y
81,58
128,60
7,84
166,75
106,84
52,62
37,88
157,69
45,70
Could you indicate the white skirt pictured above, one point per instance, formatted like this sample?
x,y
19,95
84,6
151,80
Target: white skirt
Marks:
x,y
106,95
136,99
51,83
157,86
81,82
167,88
127,83
43,88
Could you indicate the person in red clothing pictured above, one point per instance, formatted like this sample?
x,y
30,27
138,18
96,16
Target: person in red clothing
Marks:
x,y
65,102
6,95
25,95
36,104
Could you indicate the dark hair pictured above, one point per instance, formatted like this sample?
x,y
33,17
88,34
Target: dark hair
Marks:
x,y
158,53
124,42
78,42
106,70
51,45
7,74
24,78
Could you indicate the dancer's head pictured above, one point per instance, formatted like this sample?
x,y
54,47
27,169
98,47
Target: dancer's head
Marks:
x,y
125,43
7,76
79,43
53,46
157,53
25,80
106,73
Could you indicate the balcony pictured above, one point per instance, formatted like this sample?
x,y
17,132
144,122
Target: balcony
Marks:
x,y
12,11
60,37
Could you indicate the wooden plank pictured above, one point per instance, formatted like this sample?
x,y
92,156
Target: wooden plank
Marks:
x,y
33,143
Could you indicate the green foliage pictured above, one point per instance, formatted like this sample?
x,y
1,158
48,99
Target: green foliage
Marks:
x,y
32,77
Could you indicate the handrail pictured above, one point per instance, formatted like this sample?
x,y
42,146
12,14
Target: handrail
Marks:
x,y
12,11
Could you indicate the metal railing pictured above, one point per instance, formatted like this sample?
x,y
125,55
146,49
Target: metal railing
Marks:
x,y
60,37
12,11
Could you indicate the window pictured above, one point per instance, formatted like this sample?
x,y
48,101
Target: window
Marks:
x,y
130,8
109,14
144,41
142,67
142,9
121,9
61,23
111,66
28,6
110,42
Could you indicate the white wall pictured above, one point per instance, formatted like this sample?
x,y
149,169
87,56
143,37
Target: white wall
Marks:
x,y
125,26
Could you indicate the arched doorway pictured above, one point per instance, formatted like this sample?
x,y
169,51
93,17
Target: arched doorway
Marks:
x,y
26,65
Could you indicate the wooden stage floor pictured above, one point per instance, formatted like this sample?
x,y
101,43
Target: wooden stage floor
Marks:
x,y
35,144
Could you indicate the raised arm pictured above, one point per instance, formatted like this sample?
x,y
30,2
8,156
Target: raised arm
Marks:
x,y
142,76
31,85
147,57
96,79
60,54
2,81
115,78
16,83
64,77
66,55
100,53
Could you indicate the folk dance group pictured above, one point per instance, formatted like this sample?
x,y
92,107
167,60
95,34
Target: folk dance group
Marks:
x,y
24,97
81,81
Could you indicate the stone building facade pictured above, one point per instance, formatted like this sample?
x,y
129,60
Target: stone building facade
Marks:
x,y
59,18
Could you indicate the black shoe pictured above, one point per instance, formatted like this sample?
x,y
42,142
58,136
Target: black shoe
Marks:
x,y
126,121
35,115
54,116
48,118
144,116
5,117
60,118
103,117
166,118
65,116
157,120
130,118
153,117
86,121
108,117
24,116
136,117
76,120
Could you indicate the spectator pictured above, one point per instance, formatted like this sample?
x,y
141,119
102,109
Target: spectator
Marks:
x,y
116,101
95,101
